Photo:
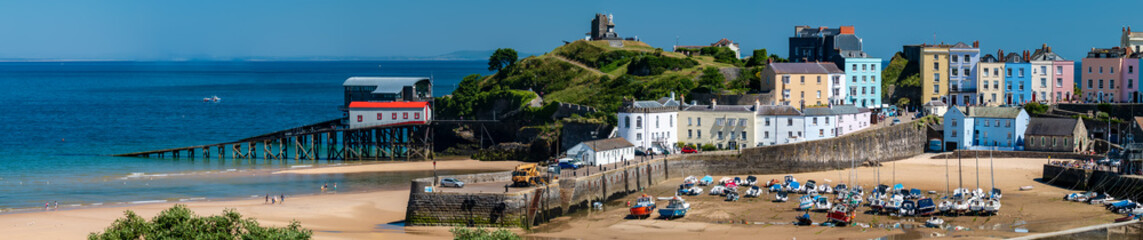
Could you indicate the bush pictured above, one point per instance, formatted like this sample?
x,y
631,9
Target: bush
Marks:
x,y
179,222
708,147
654,65
461,233
1036,108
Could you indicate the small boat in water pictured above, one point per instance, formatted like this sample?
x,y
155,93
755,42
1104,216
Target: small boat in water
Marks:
x,y
676,208
643,207
211,99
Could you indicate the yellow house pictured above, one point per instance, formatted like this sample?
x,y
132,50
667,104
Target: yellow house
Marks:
x,y
933,62
990,81
801,84
724,126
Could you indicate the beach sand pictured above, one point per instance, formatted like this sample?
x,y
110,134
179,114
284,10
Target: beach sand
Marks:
x,y
367,215
364,215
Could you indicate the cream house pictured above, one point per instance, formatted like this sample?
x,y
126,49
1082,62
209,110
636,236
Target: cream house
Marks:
x,y
724,126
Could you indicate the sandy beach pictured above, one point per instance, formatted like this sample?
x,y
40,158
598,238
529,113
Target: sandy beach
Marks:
x,y
364,215
368,215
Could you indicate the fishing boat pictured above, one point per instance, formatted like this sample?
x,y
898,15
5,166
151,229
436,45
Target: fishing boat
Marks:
x,y
750,181
822,204
676,208
775,188
781,197
643,207
841,215
707,180
908,208
934,222
730,187
925,207
754,191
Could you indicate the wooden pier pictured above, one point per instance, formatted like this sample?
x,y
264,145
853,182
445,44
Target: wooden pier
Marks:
x,y
328,140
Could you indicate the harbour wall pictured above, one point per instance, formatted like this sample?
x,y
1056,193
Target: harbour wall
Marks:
x,y
571,194
1019,154
1115,184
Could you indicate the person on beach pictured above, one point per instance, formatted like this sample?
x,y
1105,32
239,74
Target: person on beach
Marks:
x,y
334,187
282,198
46,204
55,205
323,188
273,201
267,198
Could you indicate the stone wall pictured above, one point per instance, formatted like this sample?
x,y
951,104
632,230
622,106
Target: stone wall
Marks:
x,y
1019,154
878,145
1118,186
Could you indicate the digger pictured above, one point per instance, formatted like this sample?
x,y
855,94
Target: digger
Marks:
x,y
527,175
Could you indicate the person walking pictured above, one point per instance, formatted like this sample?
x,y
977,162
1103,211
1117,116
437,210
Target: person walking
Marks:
x,y
267,198
282,199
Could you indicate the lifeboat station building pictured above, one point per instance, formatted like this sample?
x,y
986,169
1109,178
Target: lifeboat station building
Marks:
x,y
388,89
380,114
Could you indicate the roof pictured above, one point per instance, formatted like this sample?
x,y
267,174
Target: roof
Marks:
x,y
846,42
845,109
719,108
385,84
961,45
988,58
388,104
992,112
1045,55
805,68
821,111
1051,126
778,110
722,43
1013,58
607,144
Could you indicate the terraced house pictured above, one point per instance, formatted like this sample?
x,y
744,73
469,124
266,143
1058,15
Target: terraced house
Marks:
x,y
724,126
649,124
962,78
800,84
1099,79
1017,81
990,80
778,124
980,128
932,60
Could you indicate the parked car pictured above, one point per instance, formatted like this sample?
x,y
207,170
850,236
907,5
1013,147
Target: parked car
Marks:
x,y
451,182
570,163
689,150
640,153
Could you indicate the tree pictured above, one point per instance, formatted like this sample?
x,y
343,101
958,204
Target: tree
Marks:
x,y
179,222
760,57
1036,108
502,58
711,80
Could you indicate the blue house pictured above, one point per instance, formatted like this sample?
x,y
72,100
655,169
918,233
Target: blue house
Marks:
x,y
980,128
1017,79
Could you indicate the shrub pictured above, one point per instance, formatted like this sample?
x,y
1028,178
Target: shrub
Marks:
x,y
653,65
708,147
461,233
179,222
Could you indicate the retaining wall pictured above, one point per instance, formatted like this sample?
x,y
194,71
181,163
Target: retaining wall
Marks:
x,y
1019,154
1115,184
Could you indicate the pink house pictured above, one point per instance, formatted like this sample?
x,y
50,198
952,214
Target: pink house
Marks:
x,y
1099,81
1063,82
1130,73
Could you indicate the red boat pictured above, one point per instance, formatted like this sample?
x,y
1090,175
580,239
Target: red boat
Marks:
x,y
643,207
841,215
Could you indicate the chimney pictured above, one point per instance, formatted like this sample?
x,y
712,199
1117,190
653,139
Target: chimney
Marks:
x,y
1049,48
769,61
713,103
976,44
1000,54
1044,46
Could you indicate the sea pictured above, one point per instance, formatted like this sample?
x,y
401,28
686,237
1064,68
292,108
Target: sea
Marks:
x,y
61,121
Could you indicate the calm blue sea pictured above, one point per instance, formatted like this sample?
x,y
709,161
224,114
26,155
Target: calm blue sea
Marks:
x,y
60,120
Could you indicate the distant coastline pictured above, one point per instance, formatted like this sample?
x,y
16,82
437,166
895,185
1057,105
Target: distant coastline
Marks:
x,y
467,55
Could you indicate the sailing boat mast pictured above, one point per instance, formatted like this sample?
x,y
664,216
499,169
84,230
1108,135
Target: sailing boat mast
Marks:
x,y
959,171
977,155
991,169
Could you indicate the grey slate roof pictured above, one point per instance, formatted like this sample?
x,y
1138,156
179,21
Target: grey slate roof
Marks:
x,y
818,111
992,112
961,45
989,58
845,109
1013,58
847,42
384,84
719,108
778,110
805,68
1051,126
608,144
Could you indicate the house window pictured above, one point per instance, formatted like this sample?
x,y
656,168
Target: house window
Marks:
x,y
627,122
1059,82
819,79
743,136
700,124
819,93
638,136
690,133
394,116
1101,83
638,122
766,134
742,122
767,121
1009,135
954,134
987,123
1008,123
698,133
359,118
1043,82
985,72
405,115
936,67
656,121
854,67
936,77
1059,70
671,121
873,79
1112,69
719,135
379,116
854,78
954,122
1111,83
821,132
1089,84
1043,69
1009,72
732,136
417,115
1089,69
936,88
803,79
785,79
789,122
863,79
1021,72
827,120
954,58
815,120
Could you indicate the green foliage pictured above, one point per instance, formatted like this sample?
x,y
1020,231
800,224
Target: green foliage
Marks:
x,y
595,56
749,78
645,65
179,222
1103,107
708,147
760,58
721,54
778,59
902,102
502,58
461,233
711,81
1036,108
469,103
899,81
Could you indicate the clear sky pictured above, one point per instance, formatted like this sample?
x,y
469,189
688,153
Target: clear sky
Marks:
x,y
208,29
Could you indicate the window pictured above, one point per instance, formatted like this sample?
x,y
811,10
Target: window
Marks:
x,y
996,72
863,67
379,116
720,135
862,90
853,91
656,121
743,135
967,73
1089,84
803,94
638,136
1089,69
815,120
953,72
854,78
985,72
394,116
936,77
1111,83
1043,82
404,115
936,57
1008,123
819,79
698,133
873,79
359,118
936,67
1100,69
821,132
1021,72
827,120
690,133
863,79
1009,72
766,134
671,121
791,134
1101,83
718,121
803,79
966,59
733,136
742,122
986,122
639,122
789,122
937,88
854,67
627,121
767,121
819,93
1059,70
1112,69
417,115
954,122
1059,82
954,134
700,124
953,59
1043,69
1009,135
873,90
785,79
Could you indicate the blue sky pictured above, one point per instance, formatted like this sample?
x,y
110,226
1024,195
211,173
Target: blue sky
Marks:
x,y
260,29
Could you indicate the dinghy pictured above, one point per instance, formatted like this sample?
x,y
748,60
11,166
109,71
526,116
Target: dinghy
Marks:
x,y
676,208
803,220
934,222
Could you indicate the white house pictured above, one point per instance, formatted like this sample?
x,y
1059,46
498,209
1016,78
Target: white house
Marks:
x,y
603,151
650,124
821,123
778,124
374,114
850,118
936,107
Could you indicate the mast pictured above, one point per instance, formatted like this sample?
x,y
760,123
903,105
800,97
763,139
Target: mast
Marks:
x,y
948,185
991,169
959,171
977,155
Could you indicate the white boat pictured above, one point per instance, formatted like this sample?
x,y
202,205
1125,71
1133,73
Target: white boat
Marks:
x,y
825,189
805,202
725,180
976,205
945,206
781,197
717,190
934,222
754,191
212,99
992,206
822,204
960,206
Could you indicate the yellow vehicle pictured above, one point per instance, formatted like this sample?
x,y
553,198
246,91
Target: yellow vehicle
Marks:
x,y
527,175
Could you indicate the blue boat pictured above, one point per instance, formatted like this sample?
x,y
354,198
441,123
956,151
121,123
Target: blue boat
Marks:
x,y
926,207
676,208
707,180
